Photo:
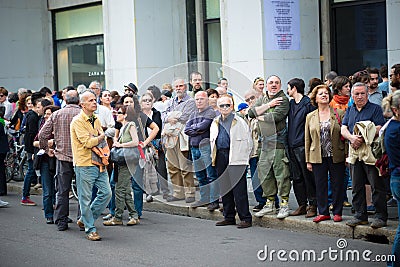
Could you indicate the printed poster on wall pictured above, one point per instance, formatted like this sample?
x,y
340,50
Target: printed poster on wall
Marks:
x,y
282,24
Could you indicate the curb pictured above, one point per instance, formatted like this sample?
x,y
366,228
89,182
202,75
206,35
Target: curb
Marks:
x,y
291,223
17,188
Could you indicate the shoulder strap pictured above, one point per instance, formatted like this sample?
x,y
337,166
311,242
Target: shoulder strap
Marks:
x,y
337,116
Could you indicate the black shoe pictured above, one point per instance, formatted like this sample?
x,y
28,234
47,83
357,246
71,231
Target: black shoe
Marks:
x,y
258,207
172,198
213,206
354,222
49,220
62,226
244,224
69,220
224,223
190,199
378,223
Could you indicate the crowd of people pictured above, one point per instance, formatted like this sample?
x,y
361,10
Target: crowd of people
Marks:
x,y
319,142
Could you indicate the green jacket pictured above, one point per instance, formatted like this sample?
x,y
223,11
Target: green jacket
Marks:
x,y
274,118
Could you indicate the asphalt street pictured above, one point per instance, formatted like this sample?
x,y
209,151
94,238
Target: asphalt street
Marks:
x,y
163,240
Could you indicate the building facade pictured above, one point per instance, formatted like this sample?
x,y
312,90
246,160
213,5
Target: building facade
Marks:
x,y
56,43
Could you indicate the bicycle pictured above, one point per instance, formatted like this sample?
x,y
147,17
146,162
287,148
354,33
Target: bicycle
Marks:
x,y
16,159
73,187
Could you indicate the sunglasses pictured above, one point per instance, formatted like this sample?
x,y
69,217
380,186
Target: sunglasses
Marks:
x,y
120,112
146,100
251,98
225,105
2,95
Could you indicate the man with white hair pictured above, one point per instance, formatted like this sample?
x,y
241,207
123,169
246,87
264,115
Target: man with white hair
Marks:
x,y
178,165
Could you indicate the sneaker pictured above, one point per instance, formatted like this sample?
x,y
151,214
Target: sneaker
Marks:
x,y
93,236
269,208
149,198
27,202
371,209
49,220
107,217
133,221
378,223
3,203
62,226
392,202
112,222
284,210
80,225
258,207
354,222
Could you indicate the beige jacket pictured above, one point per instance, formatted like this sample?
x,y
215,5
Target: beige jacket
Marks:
x,y
241,143
367,130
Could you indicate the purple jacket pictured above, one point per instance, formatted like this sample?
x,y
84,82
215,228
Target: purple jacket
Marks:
x,y
198,126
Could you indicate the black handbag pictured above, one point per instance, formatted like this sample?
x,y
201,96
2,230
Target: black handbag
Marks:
x,y
124,155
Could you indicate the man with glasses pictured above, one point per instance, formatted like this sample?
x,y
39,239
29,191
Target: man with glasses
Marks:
x,y
250,97
95,86
177,154
231,145
4,103
271,111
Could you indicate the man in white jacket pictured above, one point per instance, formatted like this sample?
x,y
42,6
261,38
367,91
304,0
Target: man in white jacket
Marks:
x,y
231,146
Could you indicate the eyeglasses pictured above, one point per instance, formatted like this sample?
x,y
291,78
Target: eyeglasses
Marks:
x,y
251,98
146,100
2,95
120,112
106,95
225,106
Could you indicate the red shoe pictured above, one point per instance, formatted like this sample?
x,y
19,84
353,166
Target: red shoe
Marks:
x,y
321,218
337,218
27,202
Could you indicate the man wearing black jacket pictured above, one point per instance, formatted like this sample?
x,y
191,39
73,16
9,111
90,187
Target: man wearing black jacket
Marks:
x,y
303,179
31,130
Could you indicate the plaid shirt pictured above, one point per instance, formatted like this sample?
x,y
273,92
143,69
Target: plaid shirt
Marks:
x,y
59,123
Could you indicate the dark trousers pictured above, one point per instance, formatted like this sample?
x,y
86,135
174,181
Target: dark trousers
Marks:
x,y
336,171
64,174
303,180
233,188
3,183
361,174
161,167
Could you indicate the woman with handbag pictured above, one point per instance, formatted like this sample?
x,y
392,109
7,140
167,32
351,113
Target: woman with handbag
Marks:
x,y
46,165
147,102
325,152
127,138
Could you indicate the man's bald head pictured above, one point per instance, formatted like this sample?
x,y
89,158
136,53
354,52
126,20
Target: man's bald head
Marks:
x,y
201,99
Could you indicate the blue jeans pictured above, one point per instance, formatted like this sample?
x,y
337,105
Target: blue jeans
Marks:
x,y
205,173
48,187
395,188
86,178
137,187
30,176
111,205
257,189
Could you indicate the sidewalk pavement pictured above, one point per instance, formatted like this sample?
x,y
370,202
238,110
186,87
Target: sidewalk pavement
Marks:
x,y
291,223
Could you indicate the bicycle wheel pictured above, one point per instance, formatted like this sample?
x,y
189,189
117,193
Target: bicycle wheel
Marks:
x,y
22,168
9,164
74,189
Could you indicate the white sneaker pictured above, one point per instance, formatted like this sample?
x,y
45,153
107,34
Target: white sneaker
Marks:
x,y
3,203
269,208
149,198
284,210
107,217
